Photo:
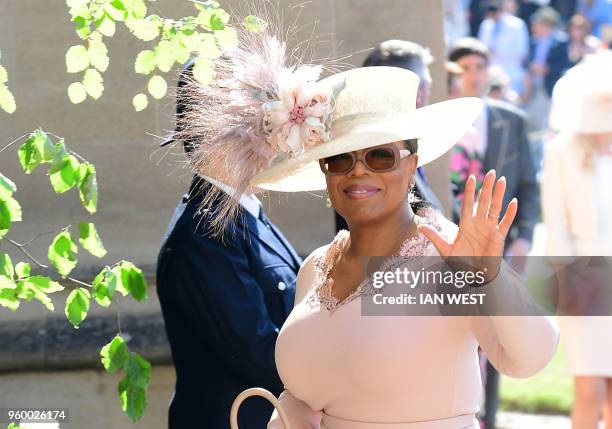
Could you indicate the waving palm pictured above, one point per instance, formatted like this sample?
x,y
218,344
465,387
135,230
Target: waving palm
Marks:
x,y
481,234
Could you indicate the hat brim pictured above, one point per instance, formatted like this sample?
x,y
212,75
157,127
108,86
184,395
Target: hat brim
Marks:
x,y
438,127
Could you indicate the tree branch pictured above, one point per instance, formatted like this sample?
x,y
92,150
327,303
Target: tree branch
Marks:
x,y
43,266
13,142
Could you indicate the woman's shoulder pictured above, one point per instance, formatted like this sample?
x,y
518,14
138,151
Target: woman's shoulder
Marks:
x,y
319,255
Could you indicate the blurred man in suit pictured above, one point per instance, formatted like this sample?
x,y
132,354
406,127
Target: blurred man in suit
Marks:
x,y
223,304
548,60
502,139
507,38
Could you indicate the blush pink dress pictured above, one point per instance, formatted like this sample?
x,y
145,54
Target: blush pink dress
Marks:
x,y
342,370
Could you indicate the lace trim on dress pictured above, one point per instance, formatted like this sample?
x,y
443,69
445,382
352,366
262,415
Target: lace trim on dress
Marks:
x,y
323,265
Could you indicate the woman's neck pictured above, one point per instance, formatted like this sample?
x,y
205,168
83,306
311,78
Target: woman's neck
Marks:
x,y
382,238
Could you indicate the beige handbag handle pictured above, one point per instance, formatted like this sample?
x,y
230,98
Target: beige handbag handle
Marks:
x,y
256,391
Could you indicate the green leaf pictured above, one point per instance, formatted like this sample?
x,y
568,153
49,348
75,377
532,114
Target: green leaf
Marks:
x,y
254,24
90,240
7,283
227,38
203,70
37,149
145,62
62,253
10,211
97,13
88,187
44,146
77,306
38,287
22,269
207,46
216,23
164,56
114,354
7,187
5,218
138,9
6,266
133,399
63,173
3,74
77,92
119,287
7,100
44,283
81,18
147,29
133,280
8,294
181,52
212,18
104,286
14,209
106,26
157,86
93,82
76,59
60,150
98,54
140,102
83,28
221,13
28,155
116,10
138,371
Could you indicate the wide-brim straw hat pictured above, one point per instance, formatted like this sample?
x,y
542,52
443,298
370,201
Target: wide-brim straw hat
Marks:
x,y
582,98
374,106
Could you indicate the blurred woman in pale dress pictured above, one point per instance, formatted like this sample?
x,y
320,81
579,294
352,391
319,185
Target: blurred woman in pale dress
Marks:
x,y
577,205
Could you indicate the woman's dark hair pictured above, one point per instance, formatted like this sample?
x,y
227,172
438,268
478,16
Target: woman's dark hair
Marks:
x,y
418,202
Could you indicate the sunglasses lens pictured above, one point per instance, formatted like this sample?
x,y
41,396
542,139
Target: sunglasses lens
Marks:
x,y
380,159
338,163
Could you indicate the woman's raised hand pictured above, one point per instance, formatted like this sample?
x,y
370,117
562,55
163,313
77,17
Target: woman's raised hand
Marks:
x,y
481,233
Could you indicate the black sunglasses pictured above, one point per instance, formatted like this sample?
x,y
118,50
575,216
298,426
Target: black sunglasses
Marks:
x,y
379,159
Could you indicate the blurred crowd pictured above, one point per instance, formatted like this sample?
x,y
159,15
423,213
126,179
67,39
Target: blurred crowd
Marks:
x,y
531,44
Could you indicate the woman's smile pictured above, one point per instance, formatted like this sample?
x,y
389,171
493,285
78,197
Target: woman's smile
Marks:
x,y
360,192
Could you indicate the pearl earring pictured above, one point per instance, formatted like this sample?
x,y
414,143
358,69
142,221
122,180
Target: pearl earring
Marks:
x,y
410,197
327,199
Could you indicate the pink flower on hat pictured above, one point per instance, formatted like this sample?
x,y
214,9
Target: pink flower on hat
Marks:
x,y
297,120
